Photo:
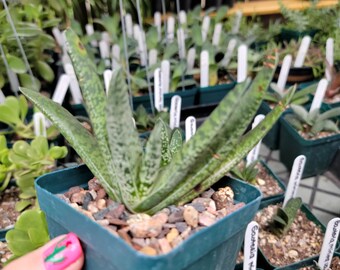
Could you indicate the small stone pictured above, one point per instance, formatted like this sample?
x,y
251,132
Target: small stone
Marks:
x,y
176,216
112,229
166,211
164,245
74,205
87,213
103,222
78,197
293,253
185,234
123,234
87,199
212,211
190,215
117,221
64,198
233,208
102,213
94,184
116,212
181,226
148,251
208,193
172,235
73,190
93,209
169,225
139,241
138,218
93,194
150,227
206,219
178,240
101,193
260,182
101,204
207,202
223,197
198,206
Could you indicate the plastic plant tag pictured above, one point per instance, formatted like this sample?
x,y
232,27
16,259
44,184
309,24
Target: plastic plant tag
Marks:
x,y
128,25
191,58
153,54
237,22
190,127
90,31
181,43
205,27
229,53
254,153
13,80
115,55
61,88
158,23
204,65
242,63
329,57
158,97
319,95
2,97
74,86
104,50
141,45
329,243
165,70
301,55
136,31
250,246
217,34
294,179
39,124
170,29
182,17
106,37
285,67
175,111
107,78
58,36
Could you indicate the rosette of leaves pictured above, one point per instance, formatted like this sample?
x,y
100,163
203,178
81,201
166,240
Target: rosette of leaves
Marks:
x,y
245,172
13,112
285,216
145,121
313,122
147,181
31,20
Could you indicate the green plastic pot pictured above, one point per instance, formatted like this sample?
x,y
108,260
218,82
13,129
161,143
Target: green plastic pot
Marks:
x,y
288,34
189,98
214,94
263,262
214,247
319,153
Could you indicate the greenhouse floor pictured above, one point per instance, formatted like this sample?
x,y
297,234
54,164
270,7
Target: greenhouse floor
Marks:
x,y
321,192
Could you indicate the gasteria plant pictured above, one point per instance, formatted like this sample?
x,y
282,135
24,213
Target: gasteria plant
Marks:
x,y
147,181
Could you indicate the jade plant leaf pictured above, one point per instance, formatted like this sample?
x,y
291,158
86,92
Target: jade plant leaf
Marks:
x,y
16,64
45,71
30,232
285,216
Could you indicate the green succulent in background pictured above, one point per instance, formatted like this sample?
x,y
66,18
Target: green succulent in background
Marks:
x,y
140,179
246,173
13,112
5,175
30,232
145,121
311,123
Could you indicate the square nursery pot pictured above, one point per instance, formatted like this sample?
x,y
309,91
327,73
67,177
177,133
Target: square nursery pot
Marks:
x,y
189,98
335,165
319,152
288,34
263,261
214,247
305,263
214,94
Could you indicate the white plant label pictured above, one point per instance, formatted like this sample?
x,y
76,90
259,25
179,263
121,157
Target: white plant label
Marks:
x,y
283,76
13,80
204,65
250,246
242,63
329,57
90,31
181,43
170,29
302,52
190,127
254,153
191,58
39,124
295,177
182,17
153,54
58,36
65,59
74,86
104,50
175,111
129,25
165,68
319,94
107,79
61,88
2,97
329,243
141,46
115,54
158,97
237,22
217,34
205,27
136,31
229,53
106,37
158,24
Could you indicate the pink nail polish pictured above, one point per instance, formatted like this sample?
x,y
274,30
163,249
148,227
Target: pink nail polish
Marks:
x,y
63,254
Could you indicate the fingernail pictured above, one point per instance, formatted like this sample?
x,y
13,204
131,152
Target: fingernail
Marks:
x,y
63,254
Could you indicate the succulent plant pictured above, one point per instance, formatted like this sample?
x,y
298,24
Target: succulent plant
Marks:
x,y
145,121
147,181
246,173
313,122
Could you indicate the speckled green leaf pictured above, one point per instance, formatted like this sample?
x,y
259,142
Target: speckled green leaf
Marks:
x,y
80,139
123,137
176,142
166,155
